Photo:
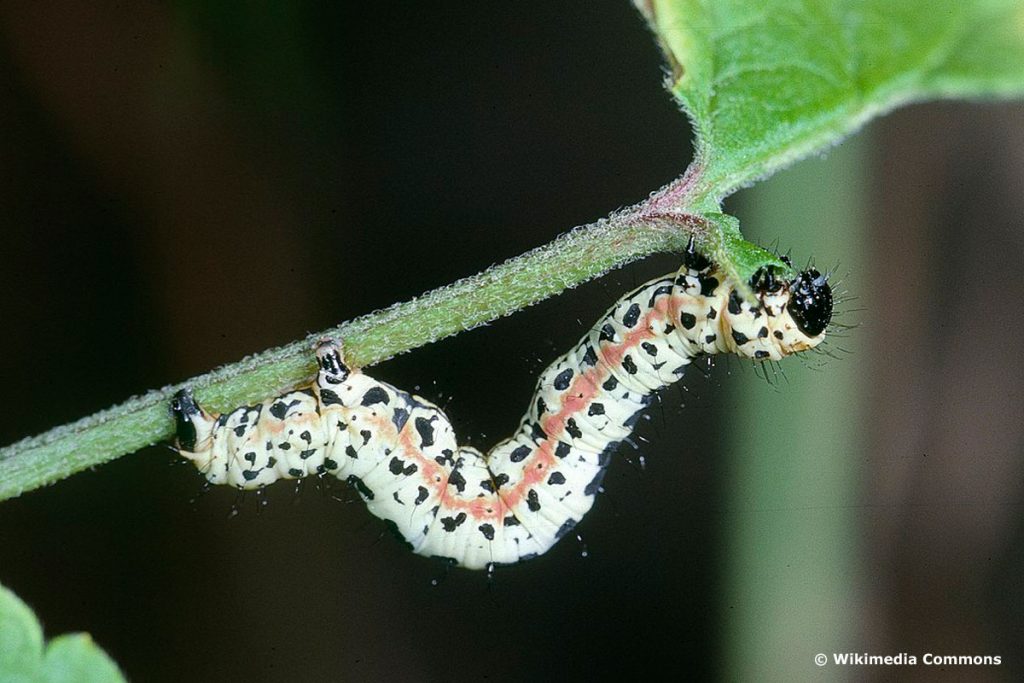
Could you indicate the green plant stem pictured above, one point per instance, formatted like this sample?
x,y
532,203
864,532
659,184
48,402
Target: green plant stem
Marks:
x,y
663,222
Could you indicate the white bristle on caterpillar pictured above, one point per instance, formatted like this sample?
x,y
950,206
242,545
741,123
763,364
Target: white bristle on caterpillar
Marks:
x,y
399,450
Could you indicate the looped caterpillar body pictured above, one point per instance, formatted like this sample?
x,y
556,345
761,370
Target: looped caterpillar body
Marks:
x,y
400,452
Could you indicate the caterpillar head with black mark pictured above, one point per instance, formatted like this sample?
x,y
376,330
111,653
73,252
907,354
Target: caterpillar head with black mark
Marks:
x,y
782,316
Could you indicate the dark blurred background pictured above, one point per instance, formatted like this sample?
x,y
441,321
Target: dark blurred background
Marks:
x,y
185,183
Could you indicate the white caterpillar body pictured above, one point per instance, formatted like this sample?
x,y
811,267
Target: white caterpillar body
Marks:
x,y
400,452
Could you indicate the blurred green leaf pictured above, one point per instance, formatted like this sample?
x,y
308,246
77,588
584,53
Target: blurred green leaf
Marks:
x,y
265,47
21,639
72,658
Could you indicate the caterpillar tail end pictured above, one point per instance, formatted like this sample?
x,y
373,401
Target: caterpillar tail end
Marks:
x,y
192,425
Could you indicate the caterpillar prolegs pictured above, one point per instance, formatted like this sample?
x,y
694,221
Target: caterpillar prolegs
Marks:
x,y
400,453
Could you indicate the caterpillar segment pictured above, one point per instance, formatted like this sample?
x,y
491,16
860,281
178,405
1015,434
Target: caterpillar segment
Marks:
x,y
400,453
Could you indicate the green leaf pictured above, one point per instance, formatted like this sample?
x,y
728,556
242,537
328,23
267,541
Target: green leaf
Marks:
x,y
21,639
739,257
768,83
72,658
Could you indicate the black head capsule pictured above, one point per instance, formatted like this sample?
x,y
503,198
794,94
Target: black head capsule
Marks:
x,y
184,408
810,302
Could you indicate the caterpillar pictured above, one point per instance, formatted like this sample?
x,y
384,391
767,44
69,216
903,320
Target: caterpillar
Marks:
x,y
400,453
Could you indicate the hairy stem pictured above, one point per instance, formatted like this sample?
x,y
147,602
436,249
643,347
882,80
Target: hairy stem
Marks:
x,y
664,222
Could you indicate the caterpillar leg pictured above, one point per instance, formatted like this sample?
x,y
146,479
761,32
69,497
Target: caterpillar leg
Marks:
x,y
193,428
185,411
333,369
